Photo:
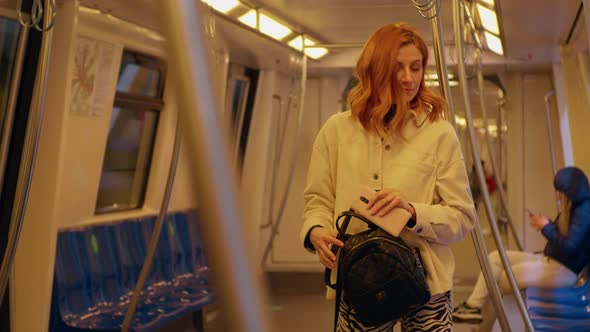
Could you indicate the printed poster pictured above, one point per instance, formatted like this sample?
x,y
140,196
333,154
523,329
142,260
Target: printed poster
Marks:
x,y
94,76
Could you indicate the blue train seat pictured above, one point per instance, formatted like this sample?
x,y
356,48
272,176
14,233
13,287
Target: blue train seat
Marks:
x,y
97,267
561,309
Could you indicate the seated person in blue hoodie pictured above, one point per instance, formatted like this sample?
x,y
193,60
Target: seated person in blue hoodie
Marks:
x,y
567,251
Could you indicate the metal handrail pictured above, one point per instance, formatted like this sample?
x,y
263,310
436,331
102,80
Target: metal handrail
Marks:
x,y
551,143
147,263
29,154
37,15
482,183
478,43
277,223
240,291
441,67
477,237
496,169
500,125
432,7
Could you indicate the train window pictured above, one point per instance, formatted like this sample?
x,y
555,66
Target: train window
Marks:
x,y
139,75
241,89
132,130
10,31
238,95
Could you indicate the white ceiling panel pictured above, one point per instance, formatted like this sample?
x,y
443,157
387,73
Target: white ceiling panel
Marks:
x,y
351,20
532,29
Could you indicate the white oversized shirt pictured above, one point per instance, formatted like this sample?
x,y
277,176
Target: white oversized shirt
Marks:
x,y
426,166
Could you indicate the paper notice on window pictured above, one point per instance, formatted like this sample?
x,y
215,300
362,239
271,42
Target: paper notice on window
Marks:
x,y
94,76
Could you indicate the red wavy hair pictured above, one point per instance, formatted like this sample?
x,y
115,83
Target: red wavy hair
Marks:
x,y
378,88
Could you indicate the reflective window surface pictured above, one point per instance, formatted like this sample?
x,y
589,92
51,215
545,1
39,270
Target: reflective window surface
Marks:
x,y
9,33
131,135
139,75
127,159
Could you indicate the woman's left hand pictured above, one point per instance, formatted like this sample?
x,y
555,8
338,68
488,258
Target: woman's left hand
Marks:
x,y
538,221
386,200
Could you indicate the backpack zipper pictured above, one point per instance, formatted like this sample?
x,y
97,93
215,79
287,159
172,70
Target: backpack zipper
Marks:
x,y
353,249
413,251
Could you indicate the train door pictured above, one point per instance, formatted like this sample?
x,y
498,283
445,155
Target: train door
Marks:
x,y
19,51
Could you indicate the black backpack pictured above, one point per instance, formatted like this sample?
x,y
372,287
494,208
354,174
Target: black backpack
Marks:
x,y
381,277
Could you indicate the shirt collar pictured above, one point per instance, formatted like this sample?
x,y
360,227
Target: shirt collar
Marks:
x,y
420,117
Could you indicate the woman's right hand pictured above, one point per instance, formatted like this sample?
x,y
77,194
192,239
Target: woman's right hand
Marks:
x,y
320,237
538,221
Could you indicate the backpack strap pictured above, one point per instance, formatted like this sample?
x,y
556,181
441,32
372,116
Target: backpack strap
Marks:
x,y
341,235
347,215
351,213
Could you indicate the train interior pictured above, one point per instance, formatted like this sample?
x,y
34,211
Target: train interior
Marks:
x,y
95,157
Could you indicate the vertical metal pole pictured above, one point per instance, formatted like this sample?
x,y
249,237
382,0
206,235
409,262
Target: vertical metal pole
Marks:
x,y
239,288
147,262
500,125
478,240
441,64
29,153
495,167
551,144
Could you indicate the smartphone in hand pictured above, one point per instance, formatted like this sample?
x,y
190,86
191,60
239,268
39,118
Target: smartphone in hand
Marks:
x,y
392,223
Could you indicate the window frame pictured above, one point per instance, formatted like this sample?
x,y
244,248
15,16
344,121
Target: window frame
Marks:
x,y
126,101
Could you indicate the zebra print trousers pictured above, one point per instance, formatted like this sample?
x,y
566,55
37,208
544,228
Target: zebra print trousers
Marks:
x,y
434,316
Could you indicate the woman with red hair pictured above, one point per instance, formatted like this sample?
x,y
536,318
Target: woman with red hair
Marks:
x,y
396,141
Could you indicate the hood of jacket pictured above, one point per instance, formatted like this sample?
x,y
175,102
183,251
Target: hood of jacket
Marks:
x,y
573,183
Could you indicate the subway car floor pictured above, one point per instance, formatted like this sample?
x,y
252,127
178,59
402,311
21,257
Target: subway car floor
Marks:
x,y
297,304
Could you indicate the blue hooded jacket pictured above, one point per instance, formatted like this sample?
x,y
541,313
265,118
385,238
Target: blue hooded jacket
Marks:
x,y
573,250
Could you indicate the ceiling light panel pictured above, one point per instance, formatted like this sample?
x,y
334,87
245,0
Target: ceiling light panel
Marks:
x,y
434,76
461,121
223,6
316,52
494,43
297,44
249,18
272,28
489,19
488,2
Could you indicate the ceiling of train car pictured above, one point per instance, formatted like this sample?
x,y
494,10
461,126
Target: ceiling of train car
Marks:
x,y
340,21
140,12
344,21
533,29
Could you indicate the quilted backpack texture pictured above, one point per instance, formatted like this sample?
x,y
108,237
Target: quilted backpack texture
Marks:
x,y
379,275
